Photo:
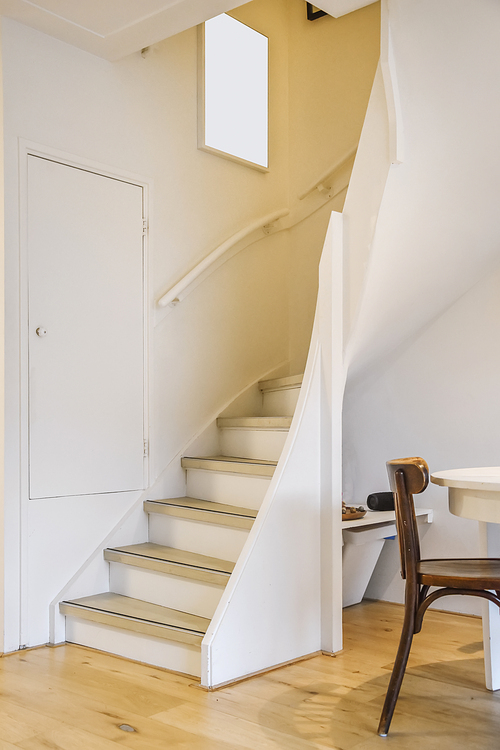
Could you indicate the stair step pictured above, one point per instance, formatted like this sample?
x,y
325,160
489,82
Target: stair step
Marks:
x,y
203,510
243,490
280,395
138,616
278,384
171,561
175,656
255,438
165,574
255,423
232,464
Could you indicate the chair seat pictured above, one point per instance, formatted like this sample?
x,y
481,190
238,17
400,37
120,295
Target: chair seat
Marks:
x,y
483,573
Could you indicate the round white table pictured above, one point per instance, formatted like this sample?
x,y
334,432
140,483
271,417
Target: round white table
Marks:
x,y
475,494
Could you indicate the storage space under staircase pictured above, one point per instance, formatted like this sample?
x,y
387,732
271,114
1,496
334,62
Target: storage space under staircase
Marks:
x,y
164,592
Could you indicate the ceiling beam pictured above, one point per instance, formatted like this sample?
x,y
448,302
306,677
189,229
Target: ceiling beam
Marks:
x,y
337,8
174,17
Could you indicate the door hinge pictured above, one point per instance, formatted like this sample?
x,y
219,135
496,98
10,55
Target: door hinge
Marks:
x,y
146,448
144,226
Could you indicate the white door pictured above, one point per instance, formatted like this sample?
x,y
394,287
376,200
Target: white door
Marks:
x,y
86,332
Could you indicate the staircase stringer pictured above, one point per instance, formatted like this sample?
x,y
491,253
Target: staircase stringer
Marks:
x,y
281,603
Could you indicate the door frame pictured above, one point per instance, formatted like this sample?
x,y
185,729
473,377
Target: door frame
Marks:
x,y
26,149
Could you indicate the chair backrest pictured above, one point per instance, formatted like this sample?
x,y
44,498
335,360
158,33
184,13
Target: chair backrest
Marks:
x,y
407,477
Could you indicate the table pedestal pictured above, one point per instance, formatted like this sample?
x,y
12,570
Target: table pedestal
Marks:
x,y
490,547
475,494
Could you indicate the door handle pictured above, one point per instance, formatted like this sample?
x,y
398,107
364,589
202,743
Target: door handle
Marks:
x,y
41,332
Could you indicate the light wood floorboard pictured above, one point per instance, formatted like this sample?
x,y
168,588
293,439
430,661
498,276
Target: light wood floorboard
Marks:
x,y
73,698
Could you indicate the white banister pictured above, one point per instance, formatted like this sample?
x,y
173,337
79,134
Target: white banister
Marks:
x,y
171,297
270,613
330,173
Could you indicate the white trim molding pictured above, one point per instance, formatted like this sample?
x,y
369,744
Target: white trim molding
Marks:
x,y
26,149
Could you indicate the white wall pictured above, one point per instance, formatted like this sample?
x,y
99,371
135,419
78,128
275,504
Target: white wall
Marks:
x,y
437,397
422,352
437,230
423,356
2,415
332,64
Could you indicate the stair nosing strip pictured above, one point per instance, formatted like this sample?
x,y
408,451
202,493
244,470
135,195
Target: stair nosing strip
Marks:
x,y
230,423
286,386
234,460
169,562
281,388
203,510
130,618
260,430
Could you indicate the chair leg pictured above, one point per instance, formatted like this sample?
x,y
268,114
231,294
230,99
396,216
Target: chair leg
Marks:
x,y
398,672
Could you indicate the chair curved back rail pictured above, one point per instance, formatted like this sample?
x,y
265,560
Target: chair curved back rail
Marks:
x,y
407,477
467,577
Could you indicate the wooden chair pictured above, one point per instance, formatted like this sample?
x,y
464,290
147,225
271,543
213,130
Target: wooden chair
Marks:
x,y
472,577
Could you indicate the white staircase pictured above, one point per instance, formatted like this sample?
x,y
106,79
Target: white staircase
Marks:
x,y
164,592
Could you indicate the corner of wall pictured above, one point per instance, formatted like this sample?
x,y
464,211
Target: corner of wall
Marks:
x,y
2,348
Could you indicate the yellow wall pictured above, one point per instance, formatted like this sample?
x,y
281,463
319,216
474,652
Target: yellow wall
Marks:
x,y
332,64
1,370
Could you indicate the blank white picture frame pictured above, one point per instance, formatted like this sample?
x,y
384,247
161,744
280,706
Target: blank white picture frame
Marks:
x,y
234,92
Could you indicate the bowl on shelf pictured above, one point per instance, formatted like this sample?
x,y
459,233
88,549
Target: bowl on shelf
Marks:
x,y
352,512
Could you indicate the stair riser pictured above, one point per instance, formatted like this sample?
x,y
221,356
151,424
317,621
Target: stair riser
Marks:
x,y
183,594
216,541
179,657
220,487
216,575
248,443
280,403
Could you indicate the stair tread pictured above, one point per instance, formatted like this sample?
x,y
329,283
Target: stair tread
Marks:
x,y
275,384
178,556
207,505
260,423
136,609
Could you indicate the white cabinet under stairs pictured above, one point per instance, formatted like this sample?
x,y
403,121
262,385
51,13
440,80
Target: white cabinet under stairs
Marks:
x,y
164,592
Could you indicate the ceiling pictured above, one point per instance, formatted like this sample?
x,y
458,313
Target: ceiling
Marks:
x,y
114,28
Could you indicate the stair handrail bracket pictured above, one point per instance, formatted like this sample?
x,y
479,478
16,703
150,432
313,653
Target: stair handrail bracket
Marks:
x,y
325,183
221,253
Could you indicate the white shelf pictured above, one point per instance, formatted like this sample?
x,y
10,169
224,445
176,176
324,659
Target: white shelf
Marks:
x,y
363,540
377,517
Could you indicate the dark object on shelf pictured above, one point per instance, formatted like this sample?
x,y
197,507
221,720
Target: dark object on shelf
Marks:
x,y
473,577
312,14
380,501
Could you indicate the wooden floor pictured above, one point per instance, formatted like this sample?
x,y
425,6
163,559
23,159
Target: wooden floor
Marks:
x,y
72,698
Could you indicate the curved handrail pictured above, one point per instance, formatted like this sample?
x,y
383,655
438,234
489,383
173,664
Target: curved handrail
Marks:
x,y
319,184
171,297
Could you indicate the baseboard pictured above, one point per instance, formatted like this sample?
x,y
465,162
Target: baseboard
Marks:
x,y
260,672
